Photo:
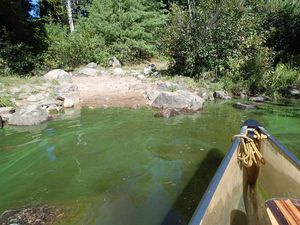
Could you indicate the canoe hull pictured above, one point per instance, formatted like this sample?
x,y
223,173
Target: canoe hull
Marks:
x,y
230,199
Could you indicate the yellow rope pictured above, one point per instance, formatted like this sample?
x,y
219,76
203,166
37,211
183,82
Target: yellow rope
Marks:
x,y
249,152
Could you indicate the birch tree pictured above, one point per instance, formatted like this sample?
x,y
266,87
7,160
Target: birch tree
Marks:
x,y
70,17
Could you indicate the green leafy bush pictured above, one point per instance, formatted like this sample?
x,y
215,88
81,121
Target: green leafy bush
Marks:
x,y
282,77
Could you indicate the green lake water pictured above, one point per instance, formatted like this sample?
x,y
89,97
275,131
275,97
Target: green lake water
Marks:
x,y
124,166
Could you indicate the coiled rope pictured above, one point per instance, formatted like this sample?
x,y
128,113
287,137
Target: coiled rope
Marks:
x,y
249,152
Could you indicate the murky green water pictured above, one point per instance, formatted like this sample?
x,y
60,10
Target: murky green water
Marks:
x,y
121,166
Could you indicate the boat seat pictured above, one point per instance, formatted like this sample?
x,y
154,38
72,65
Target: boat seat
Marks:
x,y
283,211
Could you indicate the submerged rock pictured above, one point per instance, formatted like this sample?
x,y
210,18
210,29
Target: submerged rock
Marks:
x,y
37,215
166,113
239,105
178,100
28,115
292,91
259,98
221,95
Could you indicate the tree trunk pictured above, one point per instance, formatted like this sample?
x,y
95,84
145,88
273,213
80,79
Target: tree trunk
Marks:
x,y
70,17
190,9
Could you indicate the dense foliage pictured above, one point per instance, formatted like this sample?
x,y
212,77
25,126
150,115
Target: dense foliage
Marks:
x,y
241,43
246,45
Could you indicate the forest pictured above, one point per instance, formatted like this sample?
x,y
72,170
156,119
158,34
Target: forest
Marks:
x,y
250,46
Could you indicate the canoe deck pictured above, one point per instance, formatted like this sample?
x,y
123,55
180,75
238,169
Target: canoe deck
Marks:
x,y
284,211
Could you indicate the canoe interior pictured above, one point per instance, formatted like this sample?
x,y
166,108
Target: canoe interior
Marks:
x,y
231,200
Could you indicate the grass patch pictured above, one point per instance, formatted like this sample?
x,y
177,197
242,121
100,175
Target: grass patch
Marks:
x,y
6,102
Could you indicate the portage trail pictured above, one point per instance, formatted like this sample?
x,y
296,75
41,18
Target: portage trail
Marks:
x,y
108,91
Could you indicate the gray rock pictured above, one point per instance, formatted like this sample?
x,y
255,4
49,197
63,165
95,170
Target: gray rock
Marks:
x,y
88,72
240,105
35,98
208,96
166,113
6,110
58,75
118,72
259,99
92,65
15,90
114,62
53,109
70,91
149,69
6,117
291,91
157,74
152,94
221,95
23,96
48,101
141,77
167,86
68,103
28,115
178,100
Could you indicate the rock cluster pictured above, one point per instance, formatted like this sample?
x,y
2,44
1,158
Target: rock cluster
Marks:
x,y
37,215
35,103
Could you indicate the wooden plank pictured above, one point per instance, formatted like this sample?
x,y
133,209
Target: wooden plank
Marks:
x,y
284,211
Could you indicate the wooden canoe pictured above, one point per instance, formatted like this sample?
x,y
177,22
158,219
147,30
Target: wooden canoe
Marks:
x,y
237,195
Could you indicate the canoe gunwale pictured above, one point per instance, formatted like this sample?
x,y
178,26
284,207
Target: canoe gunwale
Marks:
x,y
210,191
289,155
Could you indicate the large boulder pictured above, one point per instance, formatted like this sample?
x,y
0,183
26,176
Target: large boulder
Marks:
x,y
58,75
28,115
88,72
70,91
240,105
221,95
6,113
178,100
6,110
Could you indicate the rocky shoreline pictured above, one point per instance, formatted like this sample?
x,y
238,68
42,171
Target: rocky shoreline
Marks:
x,y
42,98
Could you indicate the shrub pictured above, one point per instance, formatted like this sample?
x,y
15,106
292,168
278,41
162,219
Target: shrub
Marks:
x,y
6,102
282,77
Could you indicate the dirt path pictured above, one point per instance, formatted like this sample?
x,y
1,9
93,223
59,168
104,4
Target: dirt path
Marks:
x,y
109,91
